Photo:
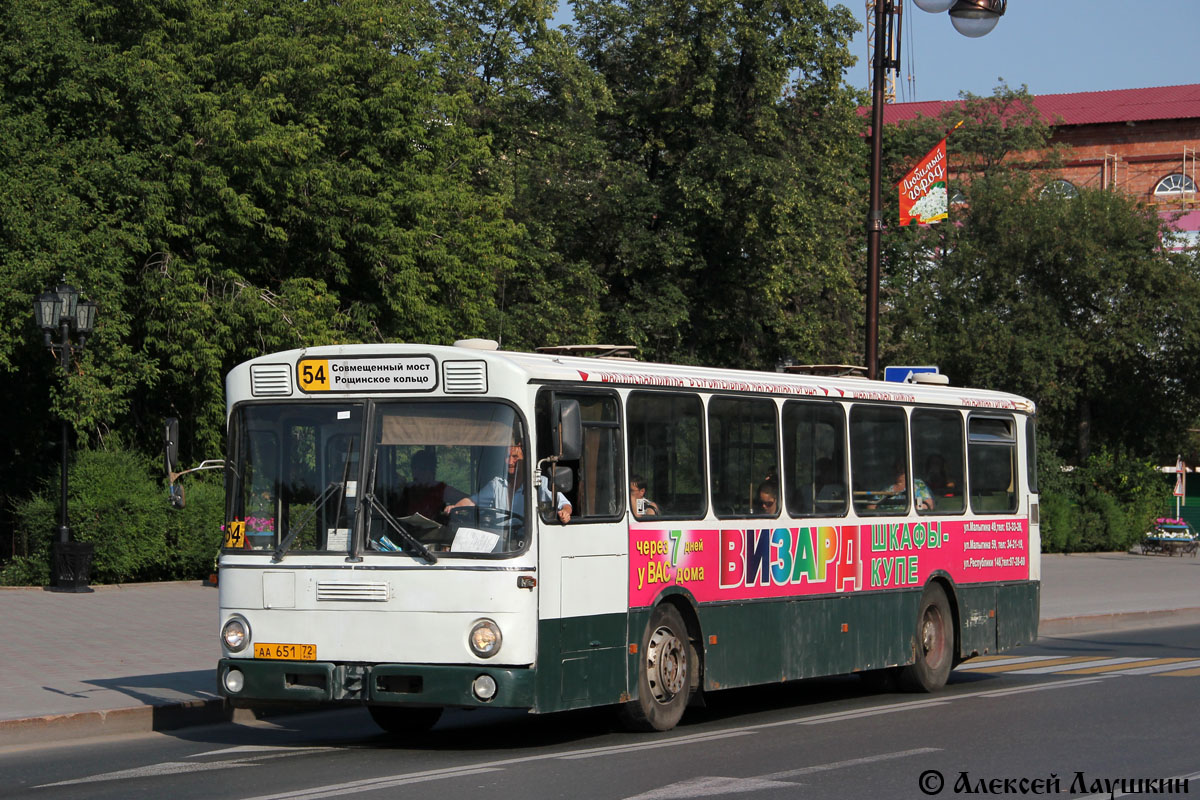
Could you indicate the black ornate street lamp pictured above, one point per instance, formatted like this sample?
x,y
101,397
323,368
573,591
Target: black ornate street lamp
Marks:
x,y
972,18
61,311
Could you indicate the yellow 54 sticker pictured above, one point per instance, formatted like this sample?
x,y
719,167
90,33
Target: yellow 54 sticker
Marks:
x,y
235,534
313,375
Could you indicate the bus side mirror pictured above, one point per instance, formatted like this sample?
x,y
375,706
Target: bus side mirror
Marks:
x,y
566,436
564,479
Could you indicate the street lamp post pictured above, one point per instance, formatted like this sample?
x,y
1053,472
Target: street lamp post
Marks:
x,y
61,312
972,18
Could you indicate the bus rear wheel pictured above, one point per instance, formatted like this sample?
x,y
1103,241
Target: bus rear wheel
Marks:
x,y
405,720
934,645
665,667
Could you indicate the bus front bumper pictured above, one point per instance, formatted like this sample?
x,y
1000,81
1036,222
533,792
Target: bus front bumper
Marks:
x,y
252,681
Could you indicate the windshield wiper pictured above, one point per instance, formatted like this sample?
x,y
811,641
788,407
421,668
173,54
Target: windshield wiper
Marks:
x,y
374,505
395,525
316,505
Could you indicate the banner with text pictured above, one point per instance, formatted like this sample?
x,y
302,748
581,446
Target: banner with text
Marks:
x,y
923,195
759,563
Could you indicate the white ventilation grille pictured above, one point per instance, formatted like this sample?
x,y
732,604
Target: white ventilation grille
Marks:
x,y
270,380
464,377
344,591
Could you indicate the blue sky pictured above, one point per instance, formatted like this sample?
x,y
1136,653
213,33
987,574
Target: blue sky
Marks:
x,y
1050,46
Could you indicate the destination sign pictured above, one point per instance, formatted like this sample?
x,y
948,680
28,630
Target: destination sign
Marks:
x,y
375,374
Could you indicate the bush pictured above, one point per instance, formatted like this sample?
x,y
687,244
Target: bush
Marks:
x,y
1106,504
116,501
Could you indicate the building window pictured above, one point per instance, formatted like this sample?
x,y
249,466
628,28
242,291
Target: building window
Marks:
x,y
1059,188
1174,185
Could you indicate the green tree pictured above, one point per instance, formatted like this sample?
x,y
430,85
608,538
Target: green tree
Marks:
x,y
230,180
537,102
1072,302
730,193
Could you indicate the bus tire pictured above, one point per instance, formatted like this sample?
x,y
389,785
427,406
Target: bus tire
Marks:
x,y
664,673
933,647
405,721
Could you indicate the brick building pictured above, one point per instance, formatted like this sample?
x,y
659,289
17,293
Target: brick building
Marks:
x,y
1140,141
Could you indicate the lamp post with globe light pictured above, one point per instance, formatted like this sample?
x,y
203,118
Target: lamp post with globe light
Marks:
x,y
60,312
971,18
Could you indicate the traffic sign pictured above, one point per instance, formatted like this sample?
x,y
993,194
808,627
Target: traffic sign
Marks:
x,y
905,374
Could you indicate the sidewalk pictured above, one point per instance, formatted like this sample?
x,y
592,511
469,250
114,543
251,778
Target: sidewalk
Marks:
x,y
142,657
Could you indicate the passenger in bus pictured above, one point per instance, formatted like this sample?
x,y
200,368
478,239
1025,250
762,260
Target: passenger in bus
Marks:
x,y
637,496
939,483
507,492
767,504
896,495
426,495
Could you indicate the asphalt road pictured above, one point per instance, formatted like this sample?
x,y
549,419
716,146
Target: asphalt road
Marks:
x,y
1069,713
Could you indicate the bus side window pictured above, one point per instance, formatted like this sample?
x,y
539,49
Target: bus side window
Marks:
x,y
879,459
666,446
744,456
937,446
598,487
814,458
992,460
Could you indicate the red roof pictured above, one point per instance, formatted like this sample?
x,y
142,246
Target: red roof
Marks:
x,y
1085,108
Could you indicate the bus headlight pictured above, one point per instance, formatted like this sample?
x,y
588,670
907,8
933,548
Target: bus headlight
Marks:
x,y
236,634
485,638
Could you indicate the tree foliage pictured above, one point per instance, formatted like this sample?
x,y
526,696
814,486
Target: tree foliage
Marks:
x,y
238,178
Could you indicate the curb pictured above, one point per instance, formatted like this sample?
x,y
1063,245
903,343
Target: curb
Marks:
x,y
118,721
1129,620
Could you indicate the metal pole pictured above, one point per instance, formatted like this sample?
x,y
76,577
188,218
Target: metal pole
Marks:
x,y
883,8
64,530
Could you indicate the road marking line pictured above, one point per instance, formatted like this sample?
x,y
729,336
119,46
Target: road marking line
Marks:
x,y
1163,668
710,786
850,762
1123,661
1038,687
1045,662
639,746
1181,673
985,662
1148,662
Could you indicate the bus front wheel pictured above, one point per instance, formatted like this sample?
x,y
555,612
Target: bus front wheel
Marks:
x,y
934,644
405,720
664,673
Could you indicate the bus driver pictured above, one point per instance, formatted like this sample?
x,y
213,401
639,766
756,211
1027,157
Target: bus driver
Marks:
x,y
508,492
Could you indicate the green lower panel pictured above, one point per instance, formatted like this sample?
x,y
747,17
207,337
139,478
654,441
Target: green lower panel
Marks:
x,y
581,662
777,641
400,684
1018,608
976,620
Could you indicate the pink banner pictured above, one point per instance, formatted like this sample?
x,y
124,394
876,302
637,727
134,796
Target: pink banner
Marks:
x,y
754,563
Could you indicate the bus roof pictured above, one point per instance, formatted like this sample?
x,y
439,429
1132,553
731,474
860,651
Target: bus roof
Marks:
x,y
600,371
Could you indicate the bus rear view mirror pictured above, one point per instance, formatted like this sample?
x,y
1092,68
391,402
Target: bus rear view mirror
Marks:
x,y
564,479
566,436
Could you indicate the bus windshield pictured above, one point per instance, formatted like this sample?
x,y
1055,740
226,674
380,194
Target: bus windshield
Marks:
x,y
433,478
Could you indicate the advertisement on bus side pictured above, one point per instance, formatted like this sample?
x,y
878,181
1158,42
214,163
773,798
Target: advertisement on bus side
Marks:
x,y
721,564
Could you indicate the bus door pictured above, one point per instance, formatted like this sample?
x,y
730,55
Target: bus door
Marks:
x,y
583,565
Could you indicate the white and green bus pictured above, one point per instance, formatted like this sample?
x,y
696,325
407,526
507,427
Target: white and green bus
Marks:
x,y
380,548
